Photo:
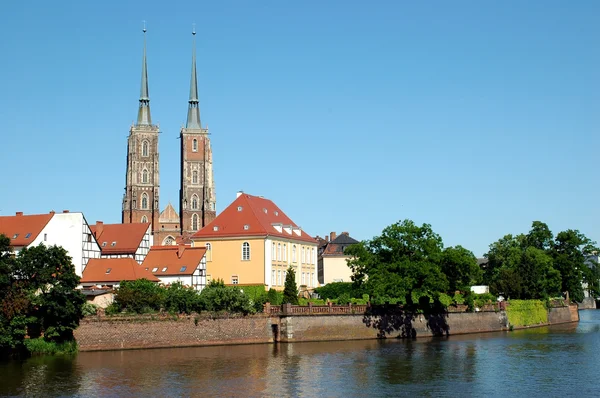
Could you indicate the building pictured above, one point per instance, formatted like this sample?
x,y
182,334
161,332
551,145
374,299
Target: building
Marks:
x,y
179,263
110,272
254,242
197,200
68,230
123,240
333,263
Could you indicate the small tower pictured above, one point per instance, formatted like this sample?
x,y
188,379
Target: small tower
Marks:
x,y
140,201
197,206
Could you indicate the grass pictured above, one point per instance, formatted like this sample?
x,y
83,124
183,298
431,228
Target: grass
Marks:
x,y
40,346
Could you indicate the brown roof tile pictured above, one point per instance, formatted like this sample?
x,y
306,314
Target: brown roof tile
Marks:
x,y
104,270
252,216
173,258
125,237
21,229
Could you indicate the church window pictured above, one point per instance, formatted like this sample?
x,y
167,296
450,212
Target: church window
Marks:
x,y
194,177
145,146
145,176
144,219
169,241
245,251
194,145
144,201
194,202
194,222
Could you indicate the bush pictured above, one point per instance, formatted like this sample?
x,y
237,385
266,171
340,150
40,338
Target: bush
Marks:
x,y
112,309
40,346
181,300
274,297
257,295
334,290
139,296
217,297
526,312
344,299
89,309
445,300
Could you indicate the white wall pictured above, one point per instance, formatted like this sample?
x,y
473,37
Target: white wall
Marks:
x,y
69,230
144,247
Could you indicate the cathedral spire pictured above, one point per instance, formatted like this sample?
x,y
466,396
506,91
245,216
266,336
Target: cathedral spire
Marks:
x,y
193,118
144,110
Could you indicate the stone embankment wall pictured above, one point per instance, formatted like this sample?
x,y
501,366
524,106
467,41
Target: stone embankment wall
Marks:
x,y
115,333
588,303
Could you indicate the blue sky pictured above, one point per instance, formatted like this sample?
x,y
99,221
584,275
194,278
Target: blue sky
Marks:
x,y
475,117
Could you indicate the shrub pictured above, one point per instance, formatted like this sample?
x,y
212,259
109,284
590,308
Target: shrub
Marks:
x,y
445,300
274,297
181,300
112,309
458,298
139,296
344,299
217,297
335,289
40,346
89,309
526,312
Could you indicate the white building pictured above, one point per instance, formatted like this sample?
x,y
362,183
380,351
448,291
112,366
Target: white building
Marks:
x,y
181,263
67,230
123,240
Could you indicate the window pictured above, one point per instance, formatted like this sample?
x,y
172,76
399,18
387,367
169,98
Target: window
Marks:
x,y
194,222
108,270
194,145
312,278
144,176
164,269
273,253
29,234
208,251
303,257
183,268
145,147
265,210
276,213
284,252
239,208
215,228
273,277
303,278
245,251
194,177
246,227
294,253
154,269
279,252
144,219
234,280
144,201
194,202
284,276
45,237
103,244
313,256
169,241
15,236
113,244
208,247
278,278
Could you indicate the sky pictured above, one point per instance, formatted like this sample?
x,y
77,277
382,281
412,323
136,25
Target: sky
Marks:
x,y
475,117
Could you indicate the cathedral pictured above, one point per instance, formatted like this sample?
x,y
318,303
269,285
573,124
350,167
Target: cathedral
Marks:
x,y
197,201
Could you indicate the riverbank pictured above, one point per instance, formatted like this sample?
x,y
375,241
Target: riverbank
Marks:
x,y
100,333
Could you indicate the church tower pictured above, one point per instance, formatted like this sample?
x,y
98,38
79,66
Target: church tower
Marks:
x,y
197,189
140,201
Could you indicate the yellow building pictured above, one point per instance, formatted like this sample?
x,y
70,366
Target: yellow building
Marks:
x,y
253,242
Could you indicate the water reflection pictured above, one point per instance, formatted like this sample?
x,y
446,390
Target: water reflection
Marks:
x,y
546,361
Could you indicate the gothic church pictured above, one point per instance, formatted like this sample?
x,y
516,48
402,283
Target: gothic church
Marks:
x,y
197,201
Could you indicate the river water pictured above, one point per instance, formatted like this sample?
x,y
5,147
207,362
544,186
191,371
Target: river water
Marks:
x,y
556,361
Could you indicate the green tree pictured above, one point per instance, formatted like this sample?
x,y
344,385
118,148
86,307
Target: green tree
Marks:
x,y
217,297
181,300
402,264
290,290
461,268
139,296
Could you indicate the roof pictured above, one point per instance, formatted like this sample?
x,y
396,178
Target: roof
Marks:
x,y
119,238
171,260
21,229
336,247
105,270
168,215
250,215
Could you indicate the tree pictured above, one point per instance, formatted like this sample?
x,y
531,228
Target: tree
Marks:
x,y
461,268
401,265
217,297
140,296
290,290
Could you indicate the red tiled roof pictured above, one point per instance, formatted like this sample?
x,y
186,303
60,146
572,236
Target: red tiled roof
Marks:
x,y
121,269
22,230
337,246
173,258
126,237
252,216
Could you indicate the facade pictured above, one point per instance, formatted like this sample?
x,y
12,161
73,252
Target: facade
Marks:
x,y
197,198
254,242
110,272
123,240
179,263
68,230
141,198
332,263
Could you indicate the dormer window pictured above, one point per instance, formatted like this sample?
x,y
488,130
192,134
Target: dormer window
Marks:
x,y
239,208
265,210
103,244
183,268
276,213
154,269
28,235
246,227
113,244
15,236
108,270
215,228
164,269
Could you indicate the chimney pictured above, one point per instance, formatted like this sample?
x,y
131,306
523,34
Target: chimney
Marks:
x,y
326,238
52,212
345,233
99,228
332,236
19,213
239,193
180,249
65,211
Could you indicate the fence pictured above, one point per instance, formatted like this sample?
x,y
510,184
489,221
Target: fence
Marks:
x,y
288,309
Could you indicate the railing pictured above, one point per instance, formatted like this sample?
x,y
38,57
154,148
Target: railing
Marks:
x,y
288,309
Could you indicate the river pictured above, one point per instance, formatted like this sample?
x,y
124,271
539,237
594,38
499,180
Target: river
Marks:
x,y
554,361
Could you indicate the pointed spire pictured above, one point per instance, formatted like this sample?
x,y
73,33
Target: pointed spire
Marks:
x,y
144,110
193,118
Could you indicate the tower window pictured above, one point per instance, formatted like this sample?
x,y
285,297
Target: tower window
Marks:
x,y
144,219
145,147
194,177
194,145
245,251
194,202
194,222
144,201
145,176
